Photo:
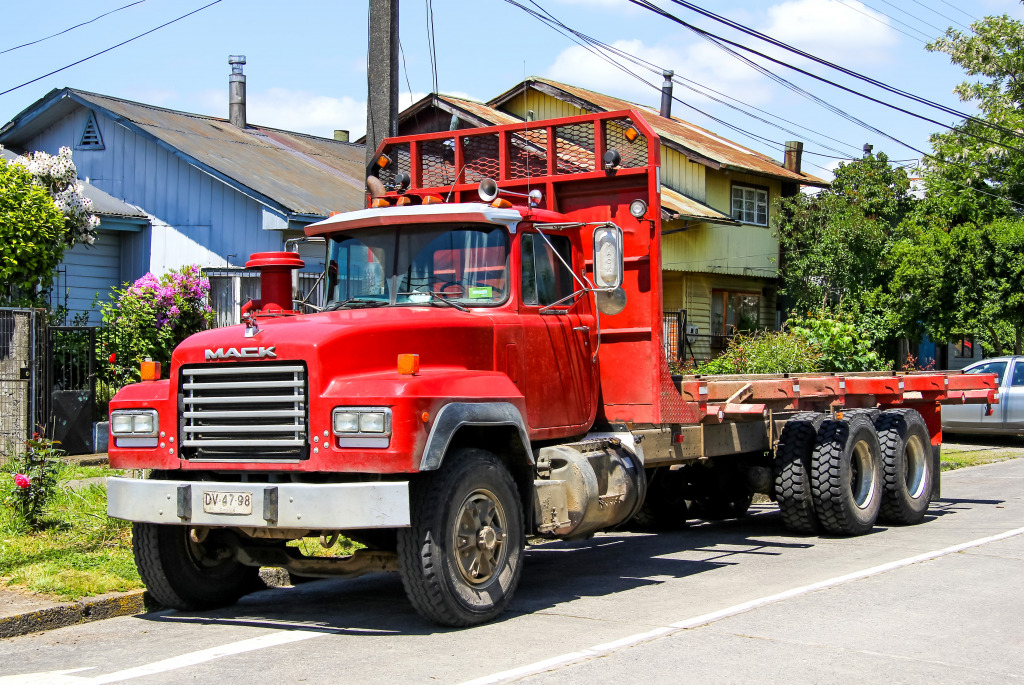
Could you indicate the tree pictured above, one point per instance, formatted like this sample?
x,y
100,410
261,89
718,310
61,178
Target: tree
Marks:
x,y
42,213
836,245
973,155
966,279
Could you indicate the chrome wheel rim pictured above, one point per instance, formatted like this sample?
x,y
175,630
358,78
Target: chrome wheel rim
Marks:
x,y
478,537
916,467
862,474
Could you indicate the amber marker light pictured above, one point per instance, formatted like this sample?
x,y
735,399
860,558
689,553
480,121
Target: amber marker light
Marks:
x,y
404,200
383,161
501,203
408,364
149,370
379,202
334,214
632,134
425,417
432,200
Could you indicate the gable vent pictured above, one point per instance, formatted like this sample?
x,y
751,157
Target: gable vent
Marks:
x,y
91,138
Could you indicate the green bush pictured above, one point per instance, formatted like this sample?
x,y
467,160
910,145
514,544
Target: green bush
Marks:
x,y
148,319
31,480
764,352
841,344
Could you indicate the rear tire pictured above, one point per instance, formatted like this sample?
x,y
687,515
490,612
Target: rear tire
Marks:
x,y
461,559
847,475
186,575
792,471
907,466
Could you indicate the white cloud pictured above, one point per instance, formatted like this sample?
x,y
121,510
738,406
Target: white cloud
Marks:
x,y
844,32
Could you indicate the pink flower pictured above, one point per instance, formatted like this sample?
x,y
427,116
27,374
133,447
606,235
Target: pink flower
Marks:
x,y
22,481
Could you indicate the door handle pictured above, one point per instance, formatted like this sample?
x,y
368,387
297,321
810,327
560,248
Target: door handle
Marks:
x,y
585,329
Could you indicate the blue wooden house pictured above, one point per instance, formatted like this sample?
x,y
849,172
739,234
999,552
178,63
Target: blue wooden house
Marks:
x,y
175,188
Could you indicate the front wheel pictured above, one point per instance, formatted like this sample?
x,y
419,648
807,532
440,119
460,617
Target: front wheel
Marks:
x,y
184,572
461,559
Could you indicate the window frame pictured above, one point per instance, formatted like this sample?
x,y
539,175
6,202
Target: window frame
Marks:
x,y
558,265
725,295
758,189
958,346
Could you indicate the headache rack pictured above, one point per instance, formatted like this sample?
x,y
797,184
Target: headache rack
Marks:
x,y
244,412
534,153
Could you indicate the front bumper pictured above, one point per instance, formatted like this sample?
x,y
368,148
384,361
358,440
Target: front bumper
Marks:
x,y
331,506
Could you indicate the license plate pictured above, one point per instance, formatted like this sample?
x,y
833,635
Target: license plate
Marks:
x,y
232,503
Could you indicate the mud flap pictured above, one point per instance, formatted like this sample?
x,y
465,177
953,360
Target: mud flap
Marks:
x,y
936,472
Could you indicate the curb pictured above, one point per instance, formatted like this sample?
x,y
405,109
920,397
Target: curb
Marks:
x,y
72,613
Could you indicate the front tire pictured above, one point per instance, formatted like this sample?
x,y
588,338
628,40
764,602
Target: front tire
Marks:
x,y
847,475
186,575
461,559
907,466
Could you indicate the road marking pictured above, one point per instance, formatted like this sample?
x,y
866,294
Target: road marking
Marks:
x,y
191,659
679,626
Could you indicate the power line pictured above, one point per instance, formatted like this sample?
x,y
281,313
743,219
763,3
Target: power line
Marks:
x,y
958,9
72,28
112,47
432,44
872,17
912,16
849,72
947,18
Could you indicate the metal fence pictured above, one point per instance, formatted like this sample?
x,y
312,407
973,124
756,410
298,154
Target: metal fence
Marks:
x,y
23,386
71,379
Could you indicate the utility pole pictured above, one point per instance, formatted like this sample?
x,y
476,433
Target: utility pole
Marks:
x,y
382,75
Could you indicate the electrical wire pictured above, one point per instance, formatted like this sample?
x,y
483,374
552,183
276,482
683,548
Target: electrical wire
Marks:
x,y
112,47
959,9
432,44
72,28
647,4
872,17
912,16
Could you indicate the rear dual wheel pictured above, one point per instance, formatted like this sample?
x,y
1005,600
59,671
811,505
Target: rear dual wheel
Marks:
x,y
846,475
907,466
792,472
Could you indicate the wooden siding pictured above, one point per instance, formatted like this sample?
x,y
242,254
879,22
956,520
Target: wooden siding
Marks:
x,y
198,219
715,248
719,189
88,272
686,176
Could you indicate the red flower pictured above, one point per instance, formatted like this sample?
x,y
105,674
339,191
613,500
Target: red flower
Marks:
x,y
22,481
111,358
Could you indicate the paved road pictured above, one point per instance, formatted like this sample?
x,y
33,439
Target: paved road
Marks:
x,y
738,601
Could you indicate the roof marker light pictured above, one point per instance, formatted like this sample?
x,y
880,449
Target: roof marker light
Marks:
x,y
501,203
432,200
632,134
379,202
404,200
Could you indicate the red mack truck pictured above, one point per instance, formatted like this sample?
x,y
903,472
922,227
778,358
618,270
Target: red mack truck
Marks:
x,y
488,365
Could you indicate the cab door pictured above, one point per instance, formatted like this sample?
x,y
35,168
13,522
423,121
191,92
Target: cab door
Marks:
x,y
558,340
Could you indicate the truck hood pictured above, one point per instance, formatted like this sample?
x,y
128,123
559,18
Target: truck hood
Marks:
x,y
353,341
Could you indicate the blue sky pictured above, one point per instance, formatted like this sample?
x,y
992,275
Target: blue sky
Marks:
x,y
307,63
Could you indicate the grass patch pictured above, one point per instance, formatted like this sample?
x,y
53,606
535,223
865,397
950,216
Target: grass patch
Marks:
x,y
78,552
958,460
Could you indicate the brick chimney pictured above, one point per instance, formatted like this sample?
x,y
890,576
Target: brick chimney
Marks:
x,y
236,91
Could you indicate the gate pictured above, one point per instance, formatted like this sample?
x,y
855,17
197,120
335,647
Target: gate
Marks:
x,y
71,379
23,396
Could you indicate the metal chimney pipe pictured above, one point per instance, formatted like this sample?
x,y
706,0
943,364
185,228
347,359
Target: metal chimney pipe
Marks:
x,y
794,155
236,91
666,94
868,147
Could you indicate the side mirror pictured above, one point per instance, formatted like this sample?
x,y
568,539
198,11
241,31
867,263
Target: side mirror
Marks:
x,y
608,264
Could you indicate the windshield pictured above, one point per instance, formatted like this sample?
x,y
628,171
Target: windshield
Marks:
x,y
458,264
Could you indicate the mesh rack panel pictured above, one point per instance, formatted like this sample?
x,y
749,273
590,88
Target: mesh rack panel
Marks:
x,y
574,145
633,153
528,154
480,155
244,411
438,160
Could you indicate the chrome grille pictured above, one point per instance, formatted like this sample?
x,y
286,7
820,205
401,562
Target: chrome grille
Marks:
x,y
244,411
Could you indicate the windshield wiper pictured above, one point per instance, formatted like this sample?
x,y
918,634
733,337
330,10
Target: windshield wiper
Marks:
x,y
436,297
365,301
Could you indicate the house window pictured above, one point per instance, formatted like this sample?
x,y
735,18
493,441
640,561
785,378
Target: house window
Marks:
x,y
733,312
91,138
963,347
750,205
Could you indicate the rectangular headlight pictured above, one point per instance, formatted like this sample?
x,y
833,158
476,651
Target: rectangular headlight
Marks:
x,y
120,424
142,423
371,422
346,422
134,422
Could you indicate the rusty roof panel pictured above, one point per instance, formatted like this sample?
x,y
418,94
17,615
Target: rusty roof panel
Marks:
x,y
688,208
305,174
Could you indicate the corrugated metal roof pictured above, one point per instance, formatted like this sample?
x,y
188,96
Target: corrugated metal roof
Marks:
x,y
701,141
305,174
688,208
102,203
